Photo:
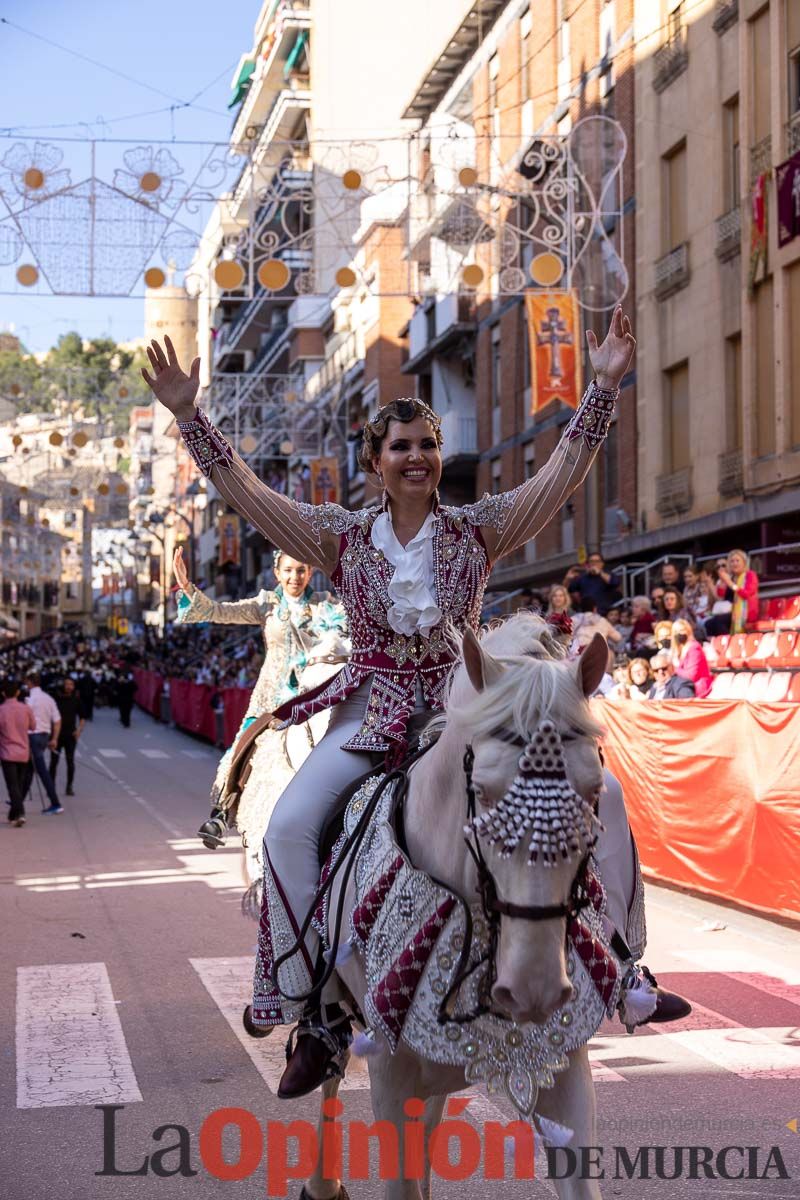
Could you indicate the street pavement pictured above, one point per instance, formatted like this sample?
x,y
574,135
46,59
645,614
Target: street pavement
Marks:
x,y
127,963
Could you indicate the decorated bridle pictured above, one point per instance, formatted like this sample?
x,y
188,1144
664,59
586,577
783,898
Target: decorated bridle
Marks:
x,y
541,802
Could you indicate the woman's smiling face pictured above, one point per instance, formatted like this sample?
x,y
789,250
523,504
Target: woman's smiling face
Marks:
x,y
409,464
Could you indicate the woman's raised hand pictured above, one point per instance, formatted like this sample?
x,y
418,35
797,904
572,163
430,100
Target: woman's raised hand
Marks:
x,y
611,359
179,567
173,387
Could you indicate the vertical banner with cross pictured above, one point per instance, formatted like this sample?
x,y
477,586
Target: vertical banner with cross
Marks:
x,y
554,333
324,481
228,539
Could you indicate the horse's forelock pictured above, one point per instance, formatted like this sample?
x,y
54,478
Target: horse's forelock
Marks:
x,y
534,686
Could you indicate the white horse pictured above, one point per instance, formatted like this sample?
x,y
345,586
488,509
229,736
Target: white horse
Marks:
x,y
507,685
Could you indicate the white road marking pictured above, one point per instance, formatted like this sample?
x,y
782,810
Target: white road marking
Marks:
x,y
741,964
197,753
112,753
751,1053
70,1044
134,795
229,982
154,754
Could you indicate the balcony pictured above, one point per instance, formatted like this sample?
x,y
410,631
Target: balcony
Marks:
x,y
674,493
672,272
459,437
671,59
731,481
726,15
760,158
438,327
728,231
793,134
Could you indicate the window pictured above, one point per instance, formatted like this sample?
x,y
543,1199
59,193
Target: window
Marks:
x,y
525,55
530,460
733,392
793,42
607,41
496,368
676,223
730,149
793,281
675,22
676,419
497,471
762,75
764,325
611,473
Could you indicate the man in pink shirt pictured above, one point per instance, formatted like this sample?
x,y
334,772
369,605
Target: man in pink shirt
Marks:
x,y
16,723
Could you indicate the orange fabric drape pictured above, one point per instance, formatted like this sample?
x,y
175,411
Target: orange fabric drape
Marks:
x,y
712,790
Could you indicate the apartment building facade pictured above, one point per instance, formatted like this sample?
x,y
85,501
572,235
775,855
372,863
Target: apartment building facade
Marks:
x,y
510,93
717,111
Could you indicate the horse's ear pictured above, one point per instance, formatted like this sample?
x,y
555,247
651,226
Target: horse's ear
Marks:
x,y
592,664
482,669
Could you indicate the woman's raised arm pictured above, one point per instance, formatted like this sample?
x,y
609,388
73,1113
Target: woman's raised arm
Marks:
x,y
511,519
292,527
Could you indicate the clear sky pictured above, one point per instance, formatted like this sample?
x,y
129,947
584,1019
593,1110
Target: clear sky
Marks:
x,y
178,47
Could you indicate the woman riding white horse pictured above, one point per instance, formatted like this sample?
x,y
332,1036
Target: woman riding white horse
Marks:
x,y
304,633
407,571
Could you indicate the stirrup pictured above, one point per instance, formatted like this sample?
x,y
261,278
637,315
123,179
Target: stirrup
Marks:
x,y
250,1028
212,832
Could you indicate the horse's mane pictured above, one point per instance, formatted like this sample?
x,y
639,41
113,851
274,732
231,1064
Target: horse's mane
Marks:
x,y
535,685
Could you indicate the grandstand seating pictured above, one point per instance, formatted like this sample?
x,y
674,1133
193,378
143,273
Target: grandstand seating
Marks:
x,y
763,664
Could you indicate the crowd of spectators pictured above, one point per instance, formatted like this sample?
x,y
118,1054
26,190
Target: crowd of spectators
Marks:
x,y
655,639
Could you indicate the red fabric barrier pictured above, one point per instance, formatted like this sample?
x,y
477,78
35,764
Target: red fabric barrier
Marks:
x,y
235,701
712,790
149,686
190,706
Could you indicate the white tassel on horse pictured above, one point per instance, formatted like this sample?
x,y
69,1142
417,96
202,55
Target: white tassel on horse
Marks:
x,y
638,1001
364,1044
553,1133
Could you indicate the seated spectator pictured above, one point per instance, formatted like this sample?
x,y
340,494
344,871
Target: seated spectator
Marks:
x,y
642,627
670,575
587,623
697,589
559,601
737,587
634,681
597,584
688,658
674,605
662,635
668,685
625,625
657,601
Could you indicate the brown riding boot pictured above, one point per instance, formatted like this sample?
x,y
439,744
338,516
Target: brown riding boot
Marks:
x,y
311,1054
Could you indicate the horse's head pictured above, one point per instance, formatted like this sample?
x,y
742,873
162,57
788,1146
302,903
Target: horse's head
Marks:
x,y
537,775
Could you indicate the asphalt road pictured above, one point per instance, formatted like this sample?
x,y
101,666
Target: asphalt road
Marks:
x,y
127,963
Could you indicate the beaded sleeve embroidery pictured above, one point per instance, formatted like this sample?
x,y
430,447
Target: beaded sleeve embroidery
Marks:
x,y
205,443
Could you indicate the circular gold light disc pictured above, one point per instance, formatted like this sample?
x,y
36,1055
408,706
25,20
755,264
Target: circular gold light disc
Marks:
x,y
15,389
229,275
121,489
472,275
27,275
154,277
123,391
273,274
103,489
119,442
150,182
73,491
467,177
80,439
248,443
345,277
55,438
16,440
546,269
352,180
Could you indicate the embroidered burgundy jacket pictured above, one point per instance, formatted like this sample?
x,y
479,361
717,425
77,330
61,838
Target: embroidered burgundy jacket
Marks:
x,y
466,542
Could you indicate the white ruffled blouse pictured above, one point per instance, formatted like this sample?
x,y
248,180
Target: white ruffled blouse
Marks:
x,y
414,608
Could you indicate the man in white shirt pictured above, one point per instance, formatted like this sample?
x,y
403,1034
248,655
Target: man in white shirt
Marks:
x,y
44,735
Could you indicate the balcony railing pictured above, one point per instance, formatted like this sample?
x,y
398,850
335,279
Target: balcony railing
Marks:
x,y
459,434
730,473
793,134
671,59
674,493
728,230
672,271
760,158
726,14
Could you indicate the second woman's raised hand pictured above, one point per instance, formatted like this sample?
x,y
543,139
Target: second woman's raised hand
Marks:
x,y
179,567
611,359
169,384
